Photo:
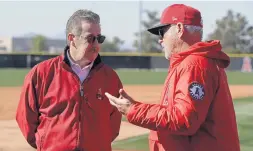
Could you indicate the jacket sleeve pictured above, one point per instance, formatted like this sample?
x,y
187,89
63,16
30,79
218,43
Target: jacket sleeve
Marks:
x,y
116,116
27,110
194,92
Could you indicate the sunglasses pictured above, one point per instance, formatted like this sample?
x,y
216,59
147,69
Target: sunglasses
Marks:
x,y
92,38
163,30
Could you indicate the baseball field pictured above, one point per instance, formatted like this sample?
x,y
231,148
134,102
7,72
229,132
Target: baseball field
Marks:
x,y
144,86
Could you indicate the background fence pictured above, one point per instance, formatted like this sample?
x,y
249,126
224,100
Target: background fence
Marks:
x,y
123,60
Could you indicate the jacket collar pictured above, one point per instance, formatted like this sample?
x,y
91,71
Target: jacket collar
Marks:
x,y
66,60
208,49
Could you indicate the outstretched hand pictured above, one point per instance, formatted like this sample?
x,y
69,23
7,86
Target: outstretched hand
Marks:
x,y
123,103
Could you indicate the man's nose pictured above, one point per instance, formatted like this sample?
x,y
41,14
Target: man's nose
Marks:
x,y
95,41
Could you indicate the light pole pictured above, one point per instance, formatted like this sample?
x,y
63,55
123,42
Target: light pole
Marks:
x,y
140,25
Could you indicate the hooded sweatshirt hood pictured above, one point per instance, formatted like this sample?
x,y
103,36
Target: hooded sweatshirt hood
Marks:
x,y
209,49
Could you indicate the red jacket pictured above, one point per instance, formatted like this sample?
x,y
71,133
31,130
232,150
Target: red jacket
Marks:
x,y
196,111
57,112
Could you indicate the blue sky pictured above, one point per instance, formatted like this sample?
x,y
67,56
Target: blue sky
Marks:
x,y
118,18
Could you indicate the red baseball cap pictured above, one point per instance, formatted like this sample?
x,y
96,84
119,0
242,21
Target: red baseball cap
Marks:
x,y
178,13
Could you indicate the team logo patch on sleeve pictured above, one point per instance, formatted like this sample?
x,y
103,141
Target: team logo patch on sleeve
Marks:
x,y
196,91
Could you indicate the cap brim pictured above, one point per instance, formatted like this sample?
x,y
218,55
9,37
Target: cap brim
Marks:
x,y
155,30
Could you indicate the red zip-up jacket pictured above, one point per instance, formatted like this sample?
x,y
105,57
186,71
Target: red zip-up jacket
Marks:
x,y
196,112
57,112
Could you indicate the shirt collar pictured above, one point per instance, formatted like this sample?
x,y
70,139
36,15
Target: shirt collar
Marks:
x,y
75,64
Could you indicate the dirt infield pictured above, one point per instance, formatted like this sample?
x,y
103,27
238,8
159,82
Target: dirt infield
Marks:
x,y
11,138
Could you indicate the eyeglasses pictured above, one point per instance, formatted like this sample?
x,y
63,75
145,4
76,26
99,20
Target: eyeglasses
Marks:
x,y
91,38
162,30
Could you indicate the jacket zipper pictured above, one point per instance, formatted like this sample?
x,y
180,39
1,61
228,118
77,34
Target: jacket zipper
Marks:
x,y
81,89
80,109
80,116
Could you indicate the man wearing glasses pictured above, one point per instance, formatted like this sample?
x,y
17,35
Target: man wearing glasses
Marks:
x,y
196,111
62,105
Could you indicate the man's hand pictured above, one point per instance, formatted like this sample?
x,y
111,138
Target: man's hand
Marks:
x,y
123,103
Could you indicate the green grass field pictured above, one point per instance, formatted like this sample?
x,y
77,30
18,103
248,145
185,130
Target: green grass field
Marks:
x,y
244,115
15,77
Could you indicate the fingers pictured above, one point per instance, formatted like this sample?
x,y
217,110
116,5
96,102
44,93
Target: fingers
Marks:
x,y
112,103
109,96
123,93
118,101
121,103
111,99
121,90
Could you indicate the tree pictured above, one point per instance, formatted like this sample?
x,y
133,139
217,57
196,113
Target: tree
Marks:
x,y
149,41
113,45
234,32
39,43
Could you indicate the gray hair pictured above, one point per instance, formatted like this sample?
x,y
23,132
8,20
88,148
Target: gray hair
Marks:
x,y
74,23
194,29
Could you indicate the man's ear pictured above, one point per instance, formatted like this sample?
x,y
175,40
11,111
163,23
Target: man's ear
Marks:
x,y
71,39
180,29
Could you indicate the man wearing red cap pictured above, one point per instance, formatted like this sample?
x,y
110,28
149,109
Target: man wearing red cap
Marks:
x,y
196,111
